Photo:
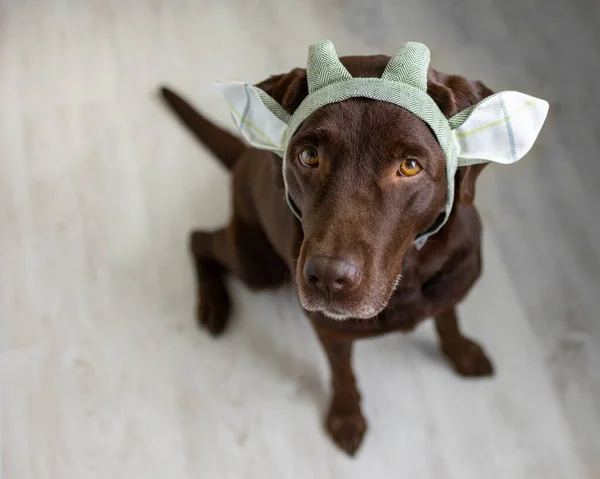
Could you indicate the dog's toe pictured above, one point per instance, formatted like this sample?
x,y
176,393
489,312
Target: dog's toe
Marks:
x,y
468,358
347,430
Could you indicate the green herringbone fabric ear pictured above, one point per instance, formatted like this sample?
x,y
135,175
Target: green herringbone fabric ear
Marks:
x,y
324,67
409,65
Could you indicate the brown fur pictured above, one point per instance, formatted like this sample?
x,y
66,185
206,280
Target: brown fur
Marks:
x,y
356,211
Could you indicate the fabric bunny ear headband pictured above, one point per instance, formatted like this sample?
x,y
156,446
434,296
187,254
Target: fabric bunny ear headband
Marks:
x,y
501,129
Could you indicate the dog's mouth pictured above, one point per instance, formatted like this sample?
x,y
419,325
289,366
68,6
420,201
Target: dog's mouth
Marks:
x,y
341,315
358,308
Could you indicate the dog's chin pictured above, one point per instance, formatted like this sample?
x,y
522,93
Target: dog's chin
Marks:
x,y
338,313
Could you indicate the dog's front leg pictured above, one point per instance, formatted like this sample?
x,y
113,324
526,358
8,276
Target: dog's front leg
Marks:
x,y
345,422
466,356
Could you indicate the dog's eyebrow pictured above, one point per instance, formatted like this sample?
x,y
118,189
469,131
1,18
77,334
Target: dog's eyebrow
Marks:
x,y
322,131
315,134
403,150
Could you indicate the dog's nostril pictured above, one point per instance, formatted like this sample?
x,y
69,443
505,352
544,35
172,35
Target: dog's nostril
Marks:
x,y
313,279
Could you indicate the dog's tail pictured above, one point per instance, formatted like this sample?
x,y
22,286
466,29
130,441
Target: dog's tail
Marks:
x,y
223,144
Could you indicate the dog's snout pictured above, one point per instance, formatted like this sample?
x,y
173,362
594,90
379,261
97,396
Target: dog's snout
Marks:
x,y
331,275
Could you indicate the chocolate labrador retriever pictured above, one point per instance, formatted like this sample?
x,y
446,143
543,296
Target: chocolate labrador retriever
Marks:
x,y
353,248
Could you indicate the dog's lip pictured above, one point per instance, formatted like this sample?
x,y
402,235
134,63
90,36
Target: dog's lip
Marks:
x,y
336,314
330,312
327,310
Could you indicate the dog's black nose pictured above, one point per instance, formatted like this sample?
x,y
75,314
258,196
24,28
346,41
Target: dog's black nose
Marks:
x,y
331,275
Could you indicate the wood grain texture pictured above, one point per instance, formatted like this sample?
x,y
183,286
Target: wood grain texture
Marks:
x,y
105,374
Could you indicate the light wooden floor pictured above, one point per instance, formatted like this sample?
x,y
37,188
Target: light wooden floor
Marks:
x,y
105,374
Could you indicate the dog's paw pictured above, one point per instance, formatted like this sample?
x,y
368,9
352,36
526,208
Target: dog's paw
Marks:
x,y
211,312
346,429
214,304
467,358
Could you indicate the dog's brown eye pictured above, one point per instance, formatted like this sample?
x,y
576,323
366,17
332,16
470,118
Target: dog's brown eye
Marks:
x,y
409,167
309,158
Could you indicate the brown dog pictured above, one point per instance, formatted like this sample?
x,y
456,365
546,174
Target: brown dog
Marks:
x,y
355,243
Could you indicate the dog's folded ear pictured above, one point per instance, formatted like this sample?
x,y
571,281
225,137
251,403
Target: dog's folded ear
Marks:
x,y
465,180
288,89
454,93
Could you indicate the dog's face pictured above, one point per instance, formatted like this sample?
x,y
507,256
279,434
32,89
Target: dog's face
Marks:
x,y
368,177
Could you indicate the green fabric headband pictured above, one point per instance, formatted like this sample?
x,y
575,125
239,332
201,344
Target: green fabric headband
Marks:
x,y
502,128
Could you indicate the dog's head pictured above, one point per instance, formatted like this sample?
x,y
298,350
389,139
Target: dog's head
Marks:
x,y
370,164
368,177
